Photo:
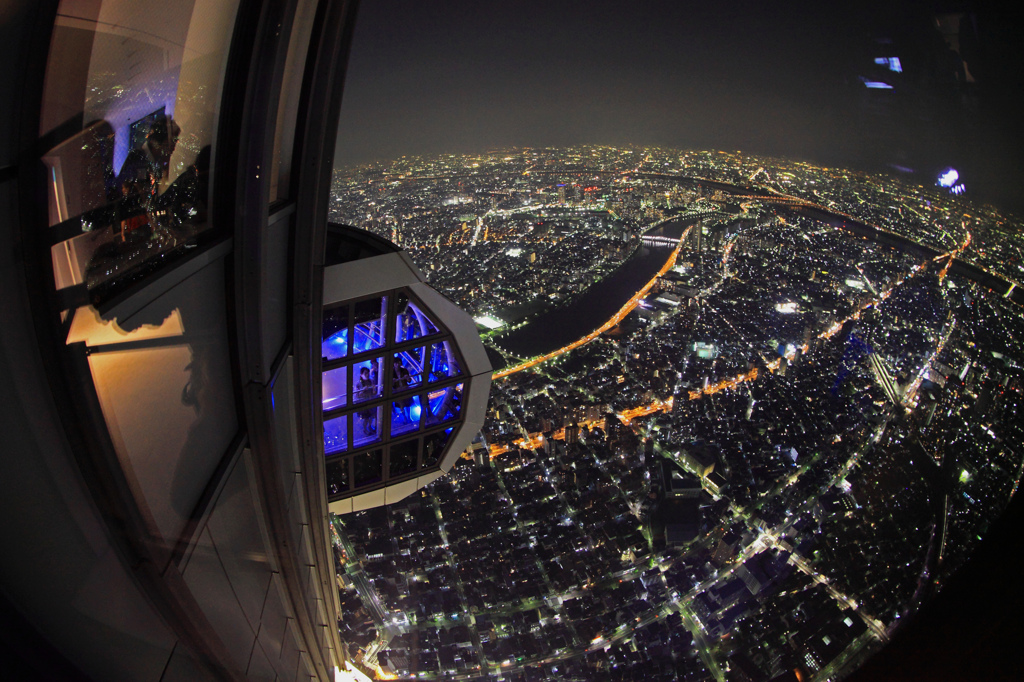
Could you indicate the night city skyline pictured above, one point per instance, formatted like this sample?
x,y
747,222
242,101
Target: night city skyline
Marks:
x,y
764,463
859,110
803,81
522,341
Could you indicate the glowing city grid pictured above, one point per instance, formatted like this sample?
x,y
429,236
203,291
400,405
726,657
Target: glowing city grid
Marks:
x,y
767,458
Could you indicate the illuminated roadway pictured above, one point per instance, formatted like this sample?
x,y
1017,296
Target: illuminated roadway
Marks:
x,y
535,440
730,382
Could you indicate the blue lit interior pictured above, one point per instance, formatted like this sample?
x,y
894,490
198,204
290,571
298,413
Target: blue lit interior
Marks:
x,y
335,346
366,426
370,320
362,389
412,323
444,404
333,387
948,177
442,363
363,426
368,336
435,398
335,435
893,63
405,415
412,361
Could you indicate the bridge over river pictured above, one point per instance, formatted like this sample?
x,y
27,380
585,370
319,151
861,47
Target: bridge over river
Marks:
x,y
577,320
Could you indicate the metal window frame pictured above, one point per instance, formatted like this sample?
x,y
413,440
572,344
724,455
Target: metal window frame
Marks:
x,y
387,479
347,411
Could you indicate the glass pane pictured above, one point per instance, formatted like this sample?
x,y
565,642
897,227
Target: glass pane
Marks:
x,y
366,426
287,110
336,435
367,468
407,369
145,78
371,320
433,447
368,380
333,388
337,477
411,322
405,415
445,404
442,362
80,176
335,333
403,458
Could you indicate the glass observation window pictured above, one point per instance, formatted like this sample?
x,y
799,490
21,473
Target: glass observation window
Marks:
x,y
368,380
405,415
402,458
370,321
337,477
384,395
336,434
334,388
443,363
444,404
334,344
411,322
407,369
433,446
368,468
131,105
366,425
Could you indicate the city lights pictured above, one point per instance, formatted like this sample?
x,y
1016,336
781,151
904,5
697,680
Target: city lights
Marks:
x,y
808,364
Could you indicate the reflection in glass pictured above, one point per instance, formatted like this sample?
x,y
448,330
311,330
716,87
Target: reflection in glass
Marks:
x,y
433,446
411,322
444,404
336,435
403,458
335,333
367,468
442,362
367,379
370,321
405,415
337,477
333,388
146,77
366,426
407,369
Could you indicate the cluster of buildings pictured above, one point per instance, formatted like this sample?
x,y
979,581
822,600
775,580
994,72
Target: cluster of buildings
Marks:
x,y
759,473
527,235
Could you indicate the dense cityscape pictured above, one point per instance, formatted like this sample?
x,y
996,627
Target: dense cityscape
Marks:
x,y
730,436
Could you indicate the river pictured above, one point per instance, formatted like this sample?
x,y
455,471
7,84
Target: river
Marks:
x,y
586,312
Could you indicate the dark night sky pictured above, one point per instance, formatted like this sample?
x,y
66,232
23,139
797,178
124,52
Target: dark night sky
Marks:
x,y
778,78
